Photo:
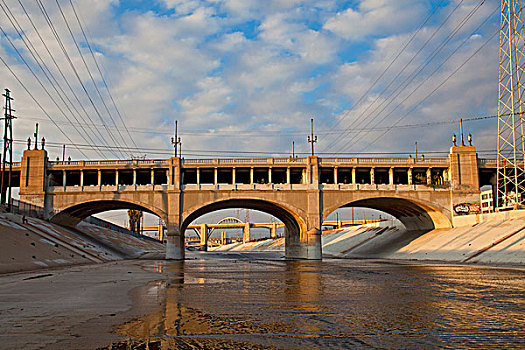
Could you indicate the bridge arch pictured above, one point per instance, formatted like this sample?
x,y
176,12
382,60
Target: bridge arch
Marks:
x,y
72,215
415,215
293,222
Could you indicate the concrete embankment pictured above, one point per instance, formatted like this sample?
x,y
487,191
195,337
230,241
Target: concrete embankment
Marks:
x,y
28,244
492,239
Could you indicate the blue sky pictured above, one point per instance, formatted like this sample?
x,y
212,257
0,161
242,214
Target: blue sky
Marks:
x,y
247,75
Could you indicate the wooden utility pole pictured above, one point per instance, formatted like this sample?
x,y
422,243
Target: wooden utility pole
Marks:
x,y
311,138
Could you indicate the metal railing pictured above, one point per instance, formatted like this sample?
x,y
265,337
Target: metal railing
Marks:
x,y
28,209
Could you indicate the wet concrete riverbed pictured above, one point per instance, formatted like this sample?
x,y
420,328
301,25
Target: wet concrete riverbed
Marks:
x,y
254,301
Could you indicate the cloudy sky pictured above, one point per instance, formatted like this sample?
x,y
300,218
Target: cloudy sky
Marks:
x,y
244,76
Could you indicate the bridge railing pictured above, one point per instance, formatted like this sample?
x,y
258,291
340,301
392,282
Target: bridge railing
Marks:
x,y
410,161
243,160
110,162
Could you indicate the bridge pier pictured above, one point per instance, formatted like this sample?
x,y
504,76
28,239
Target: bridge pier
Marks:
x,y
307,247
174,243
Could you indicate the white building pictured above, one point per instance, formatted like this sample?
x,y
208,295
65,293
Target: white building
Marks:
x,y
487,202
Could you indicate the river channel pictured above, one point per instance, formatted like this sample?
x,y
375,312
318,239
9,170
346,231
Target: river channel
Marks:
x,y
259,301
240,301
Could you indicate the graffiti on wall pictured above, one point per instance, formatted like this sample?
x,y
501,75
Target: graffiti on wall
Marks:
x,y
467,208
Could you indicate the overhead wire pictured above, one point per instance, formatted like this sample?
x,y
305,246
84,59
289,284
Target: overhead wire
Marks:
x,y
415,73
74,69
40,106
48,74
88,70
378,78
393,80
277,133
100,73
263,154
87,120
437,88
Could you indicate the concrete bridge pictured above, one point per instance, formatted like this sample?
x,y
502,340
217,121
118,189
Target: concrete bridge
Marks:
x,y
302,192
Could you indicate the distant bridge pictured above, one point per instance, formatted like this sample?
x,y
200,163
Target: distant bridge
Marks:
x,y
205,231
301,192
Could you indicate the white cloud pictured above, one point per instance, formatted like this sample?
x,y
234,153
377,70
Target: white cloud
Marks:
x,y
375,17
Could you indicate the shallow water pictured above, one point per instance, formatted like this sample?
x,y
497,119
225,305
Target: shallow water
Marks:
x,y
241,302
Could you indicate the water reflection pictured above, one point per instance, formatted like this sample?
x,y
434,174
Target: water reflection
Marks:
x,y
253,304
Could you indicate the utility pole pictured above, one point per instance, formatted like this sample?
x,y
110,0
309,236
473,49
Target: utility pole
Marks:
x,y
180,148
415,145
175,141
8,148
461,131
311,139
63,153
293,150
36,136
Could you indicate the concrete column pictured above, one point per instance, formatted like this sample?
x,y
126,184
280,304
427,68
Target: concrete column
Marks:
x,y
134,177
174,243
99,177
273,230
152,178
354,170
429,176
464,172
204,236
64,178
82,179
116,178
269,175
251,176
246,233
167,176
198,176
372,176
391,176
215,177
223,237
288,177
313,171
409,176
233,176
305,242
335,176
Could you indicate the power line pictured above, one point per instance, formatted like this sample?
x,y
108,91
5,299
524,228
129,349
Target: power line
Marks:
x,y
437,88
100,73
415,74
200,152
89,123
47,73
88,70
336,140
39,105
347,112
278,133
75,71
